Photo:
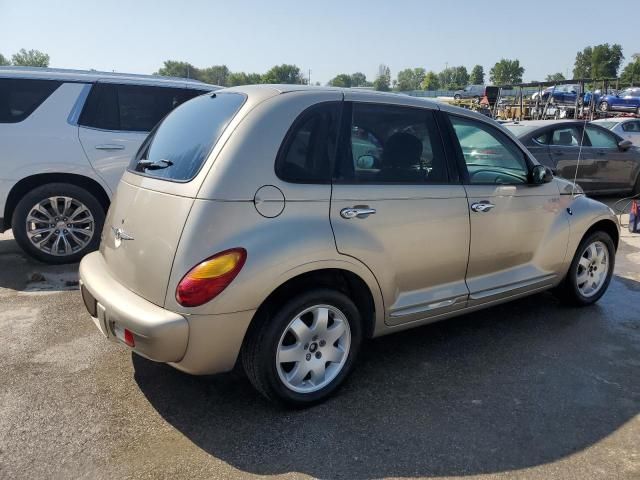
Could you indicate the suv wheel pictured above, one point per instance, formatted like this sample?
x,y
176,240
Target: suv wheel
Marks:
x,y
58,223
604,106
456,97
302,353
590,271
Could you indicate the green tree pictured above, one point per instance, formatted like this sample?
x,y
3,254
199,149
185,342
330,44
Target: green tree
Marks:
x,y
174,68
283,74
631,73
453,78
555,77
430,81
599,61
359,79
341,80
506,72
241,78
215,75
4,60
31,58
383,79
410,79
477,75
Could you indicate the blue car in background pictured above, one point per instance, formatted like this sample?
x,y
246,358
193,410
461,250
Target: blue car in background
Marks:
x,y
560,94
627,100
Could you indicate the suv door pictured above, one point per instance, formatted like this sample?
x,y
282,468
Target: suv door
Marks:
x,y
398,209
519,231
116,119
615,167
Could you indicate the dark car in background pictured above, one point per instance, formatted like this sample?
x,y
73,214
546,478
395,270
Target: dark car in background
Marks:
x,y
627,100
607,162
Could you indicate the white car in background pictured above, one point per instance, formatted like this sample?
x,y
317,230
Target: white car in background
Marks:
x,y
66,137
627,127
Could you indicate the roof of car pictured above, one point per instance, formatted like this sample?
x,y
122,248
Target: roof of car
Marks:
x,y
92,76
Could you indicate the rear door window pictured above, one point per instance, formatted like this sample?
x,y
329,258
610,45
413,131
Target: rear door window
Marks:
x,y
19,98
131,108
566,137
180,144
308,149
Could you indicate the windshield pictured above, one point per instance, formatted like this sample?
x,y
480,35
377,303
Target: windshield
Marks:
x,y
179,145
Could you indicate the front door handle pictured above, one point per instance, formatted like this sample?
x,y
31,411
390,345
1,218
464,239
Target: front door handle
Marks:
x,y
110,146
483,206
357,211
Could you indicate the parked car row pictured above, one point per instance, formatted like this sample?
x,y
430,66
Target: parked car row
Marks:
x,y
627,100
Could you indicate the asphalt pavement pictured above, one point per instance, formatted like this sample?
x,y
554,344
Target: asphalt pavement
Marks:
x,y
531,389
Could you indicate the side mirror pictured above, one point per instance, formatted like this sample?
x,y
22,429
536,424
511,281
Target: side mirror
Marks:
x,y
366,162
541,174
625,144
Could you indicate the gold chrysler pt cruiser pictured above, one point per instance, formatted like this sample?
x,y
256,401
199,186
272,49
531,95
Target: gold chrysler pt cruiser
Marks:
x,y
280,226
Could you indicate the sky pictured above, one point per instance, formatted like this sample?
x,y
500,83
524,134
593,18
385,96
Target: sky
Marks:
x,y
327,37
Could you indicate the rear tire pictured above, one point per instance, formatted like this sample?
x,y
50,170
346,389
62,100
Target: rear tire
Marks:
x,y
604,106
58,223
456,97
321,348
588,277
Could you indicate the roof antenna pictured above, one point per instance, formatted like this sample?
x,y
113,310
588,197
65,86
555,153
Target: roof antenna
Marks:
x,y
575,177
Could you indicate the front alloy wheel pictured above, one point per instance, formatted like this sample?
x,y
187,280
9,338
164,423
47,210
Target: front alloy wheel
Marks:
x,y
299,353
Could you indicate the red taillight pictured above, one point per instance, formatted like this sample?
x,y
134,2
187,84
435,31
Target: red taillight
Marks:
x,y
207,279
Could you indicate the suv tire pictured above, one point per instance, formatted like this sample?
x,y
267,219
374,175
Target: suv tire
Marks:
x,y
298,330
588,277
66,222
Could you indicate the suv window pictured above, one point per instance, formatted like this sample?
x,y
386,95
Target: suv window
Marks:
x,y
179,145
491,157
131,108
392,144
600,138
20,97
309,147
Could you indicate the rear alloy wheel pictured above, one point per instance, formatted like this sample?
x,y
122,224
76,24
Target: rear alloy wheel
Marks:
x,y
590,271
604,106
456,97
58,223
303,352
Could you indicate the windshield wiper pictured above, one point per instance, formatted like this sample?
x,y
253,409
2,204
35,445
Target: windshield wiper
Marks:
x,y
157,165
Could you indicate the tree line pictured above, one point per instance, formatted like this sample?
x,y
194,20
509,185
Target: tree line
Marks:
x,y
598,61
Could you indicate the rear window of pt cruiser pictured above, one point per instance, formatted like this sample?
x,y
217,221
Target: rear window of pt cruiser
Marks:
x,y
176,149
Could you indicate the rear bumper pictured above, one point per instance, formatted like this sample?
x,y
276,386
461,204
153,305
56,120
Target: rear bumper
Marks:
x,y
196,344
159,335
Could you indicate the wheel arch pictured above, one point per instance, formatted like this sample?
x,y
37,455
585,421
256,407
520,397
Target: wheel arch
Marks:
x,y
33,181
607,226
336,278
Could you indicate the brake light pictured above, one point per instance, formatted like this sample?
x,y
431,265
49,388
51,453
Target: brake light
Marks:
x,y
209,278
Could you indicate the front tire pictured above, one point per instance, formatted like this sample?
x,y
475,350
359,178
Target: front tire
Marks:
x,y
456,97
590,272
58,223
299,355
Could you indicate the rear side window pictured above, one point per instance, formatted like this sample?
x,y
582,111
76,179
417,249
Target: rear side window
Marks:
x,y
132,108
178,147
309,147
19,97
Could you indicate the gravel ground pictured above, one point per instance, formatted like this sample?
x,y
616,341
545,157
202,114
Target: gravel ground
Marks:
x,y
530,390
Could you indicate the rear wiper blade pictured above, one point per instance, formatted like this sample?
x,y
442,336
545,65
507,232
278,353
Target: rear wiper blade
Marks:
x,y
156,165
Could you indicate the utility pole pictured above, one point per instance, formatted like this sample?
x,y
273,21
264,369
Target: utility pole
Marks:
x,y
309,77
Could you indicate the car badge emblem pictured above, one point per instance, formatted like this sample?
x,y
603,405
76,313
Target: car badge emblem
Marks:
x,y
120,235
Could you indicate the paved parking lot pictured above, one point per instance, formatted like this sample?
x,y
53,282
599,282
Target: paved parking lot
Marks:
x,y
526,390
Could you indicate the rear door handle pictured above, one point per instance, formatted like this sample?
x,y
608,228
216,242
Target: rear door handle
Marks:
x,y
357,211
110,146
483,206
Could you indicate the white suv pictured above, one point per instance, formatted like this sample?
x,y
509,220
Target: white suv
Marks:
x,y
66,137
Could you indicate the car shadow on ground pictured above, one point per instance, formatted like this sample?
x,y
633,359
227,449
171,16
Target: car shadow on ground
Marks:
x,y
514,386
20,272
